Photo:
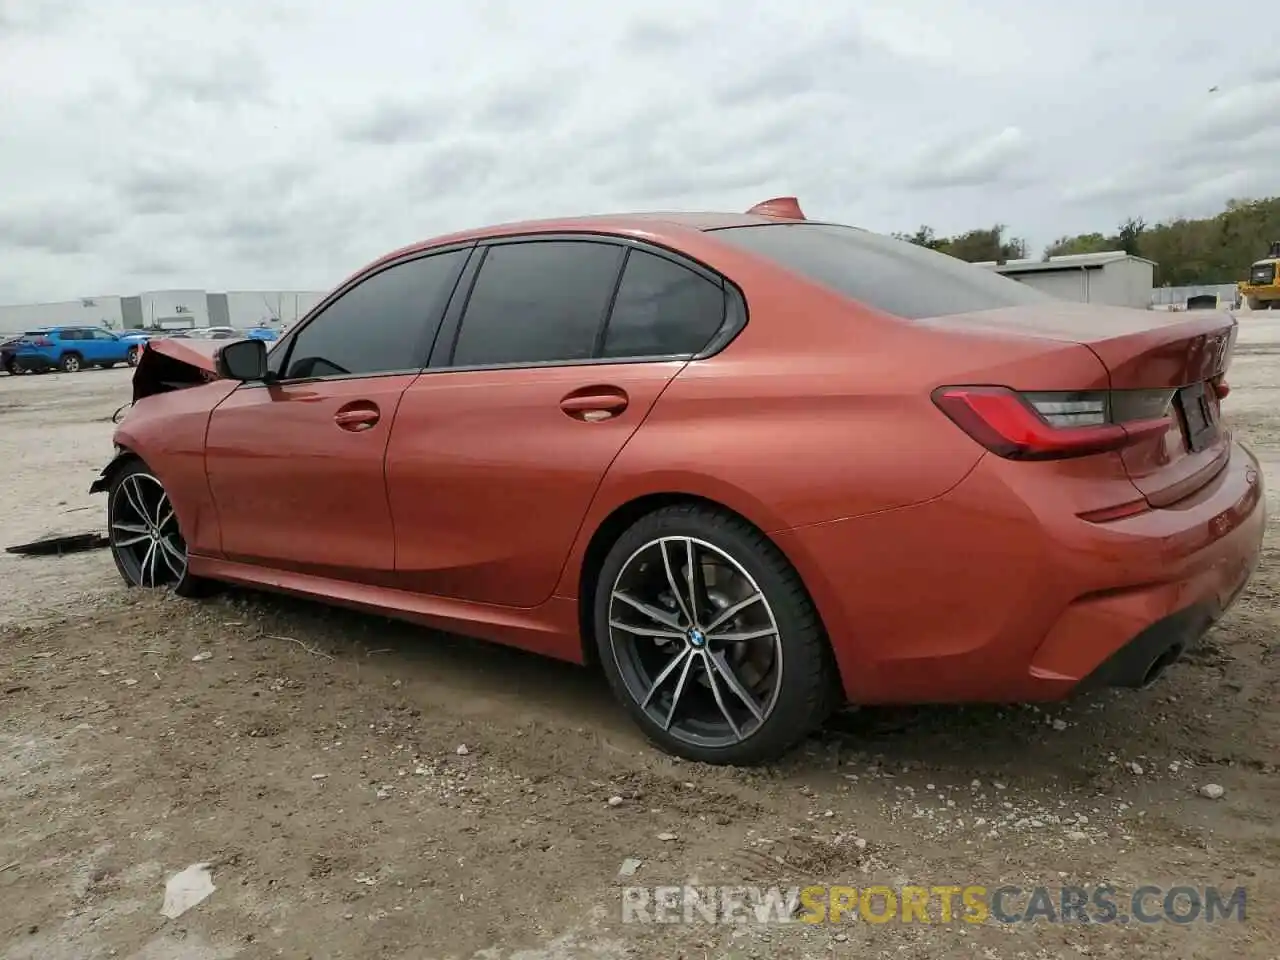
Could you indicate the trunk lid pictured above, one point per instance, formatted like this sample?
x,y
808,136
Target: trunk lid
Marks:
x,y
1185,354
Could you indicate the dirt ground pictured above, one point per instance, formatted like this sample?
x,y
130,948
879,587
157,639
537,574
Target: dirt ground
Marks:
x,y
372,790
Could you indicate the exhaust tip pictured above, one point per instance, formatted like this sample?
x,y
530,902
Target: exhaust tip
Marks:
x,y
1160,664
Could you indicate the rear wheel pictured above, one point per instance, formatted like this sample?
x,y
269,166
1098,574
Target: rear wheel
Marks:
x,y
146,540
709,639
70,363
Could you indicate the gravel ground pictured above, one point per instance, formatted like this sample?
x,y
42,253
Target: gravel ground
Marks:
x,y
366,789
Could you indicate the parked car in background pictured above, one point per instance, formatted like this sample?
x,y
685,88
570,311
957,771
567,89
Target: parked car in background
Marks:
x,y
754,466
71,349
262,333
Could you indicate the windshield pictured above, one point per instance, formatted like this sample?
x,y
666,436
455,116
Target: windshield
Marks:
x,y
891,275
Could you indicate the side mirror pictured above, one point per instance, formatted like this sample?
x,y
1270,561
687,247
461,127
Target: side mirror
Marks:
x,y
243,360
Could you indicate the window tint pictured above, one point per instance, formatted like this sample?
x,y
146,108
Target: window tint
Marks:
x,y
378,325
538,302
103,335
891,275
662,308
72,335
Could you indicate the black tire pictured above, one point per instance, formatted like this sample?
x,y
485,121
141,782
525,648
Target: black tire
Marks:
x,y
70,363
131,357
126,524
802,693
11,367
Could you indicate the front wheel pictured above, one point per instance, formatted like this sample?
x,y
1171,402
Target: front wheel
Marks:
x,y
132,356
146,540
710,640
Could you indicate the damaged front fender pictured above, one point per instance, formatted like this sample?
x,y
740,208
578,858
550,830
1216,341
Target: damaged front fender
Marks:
x,y
103,483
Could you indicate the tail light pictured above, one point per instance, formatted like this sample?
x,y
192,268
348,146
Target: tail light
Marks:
x,y
1055,426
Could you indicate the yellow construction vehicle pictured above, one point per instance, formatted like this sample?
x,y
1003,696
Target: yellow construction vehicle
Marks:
x,y
1262,290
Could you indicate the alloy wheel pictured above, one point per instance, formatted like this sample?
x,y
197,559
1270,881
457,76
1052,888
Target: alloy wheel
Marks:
x,y
71,365
144,533
695,641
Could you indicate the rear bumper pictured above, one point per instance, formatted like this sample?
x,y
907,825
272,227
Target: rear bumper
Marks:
x,y
982,595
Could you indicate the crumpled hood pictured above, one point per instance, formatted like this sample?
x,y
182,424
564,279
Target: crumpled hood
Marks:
x,y
175,365
197,353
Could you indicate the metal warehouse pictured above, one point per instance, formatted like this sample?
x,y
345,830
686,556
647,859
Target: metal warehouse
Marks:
x,y
1113,277
166,310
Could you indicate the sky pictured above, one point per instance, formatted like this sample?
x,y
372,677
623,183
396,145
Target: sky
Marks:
x,y
282,144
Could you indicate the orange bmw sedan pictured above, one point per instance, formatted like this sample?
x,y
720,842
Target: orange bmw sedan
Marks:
x,y
754,466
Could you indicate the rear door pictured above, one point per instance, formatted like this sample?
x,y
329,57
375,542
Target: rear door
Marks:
x,y
564,345
296,465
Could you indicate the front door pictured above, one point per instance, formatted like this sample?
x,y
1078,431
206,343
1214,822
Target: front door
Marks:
x,y
296,466
498,449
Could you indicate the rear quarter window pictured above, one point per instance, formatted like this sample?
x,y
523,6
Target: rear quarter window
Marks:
x,y
891,275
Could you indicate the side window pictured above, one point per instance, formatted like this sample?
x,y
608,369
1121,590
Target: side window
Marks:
x,y
538,302
378,325
70,335
662,308
103,335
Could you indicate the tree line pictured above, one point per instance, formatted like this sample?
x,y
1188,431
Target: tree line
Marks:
x,y
1215,249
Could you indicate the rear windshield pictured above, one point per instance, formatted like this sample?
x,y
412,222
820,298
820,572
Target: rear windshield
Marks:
x,y
891,275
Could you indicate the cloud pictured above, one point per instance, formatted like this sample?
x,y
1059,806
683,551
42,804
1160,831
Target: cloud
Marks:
x,y
281,144
392,121
37,16
989,160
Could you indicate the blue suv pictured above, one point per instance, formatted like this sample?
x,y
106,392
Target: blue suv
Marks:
x,y
71,349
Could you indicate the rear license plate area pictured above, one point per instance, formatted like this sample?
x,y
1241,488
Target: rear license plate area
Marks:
x,y
1199,416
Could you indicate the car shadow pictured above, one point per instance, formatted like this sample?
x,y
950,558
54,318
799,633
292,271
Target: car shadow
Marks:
x,y
1075,740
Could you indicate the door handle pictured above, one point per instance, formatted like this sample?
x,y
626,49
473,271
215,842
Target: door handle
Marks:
x,y
357,418
593,404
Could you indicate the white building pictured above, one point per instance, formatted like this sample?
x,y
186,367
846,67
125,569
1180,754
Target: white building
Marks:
x,y
166,310
1114,277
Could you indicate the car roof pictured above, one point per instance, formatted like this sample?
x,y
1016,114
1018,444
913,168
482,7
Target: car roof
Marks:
x,y
659,226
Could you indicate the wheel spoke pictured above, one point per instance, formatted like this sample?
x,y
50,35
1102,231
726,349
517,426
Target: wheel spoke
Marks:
x,y
161,504
674,583
148,560
729,613
173,558
168,515
133,494
743,636
697,581
653,613
722,667
679,691
134,540
647,631
662,677
715,692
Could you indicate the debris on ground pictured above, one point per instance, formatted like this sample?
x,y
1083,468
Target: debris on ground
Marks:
x,y
185,889
60,545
